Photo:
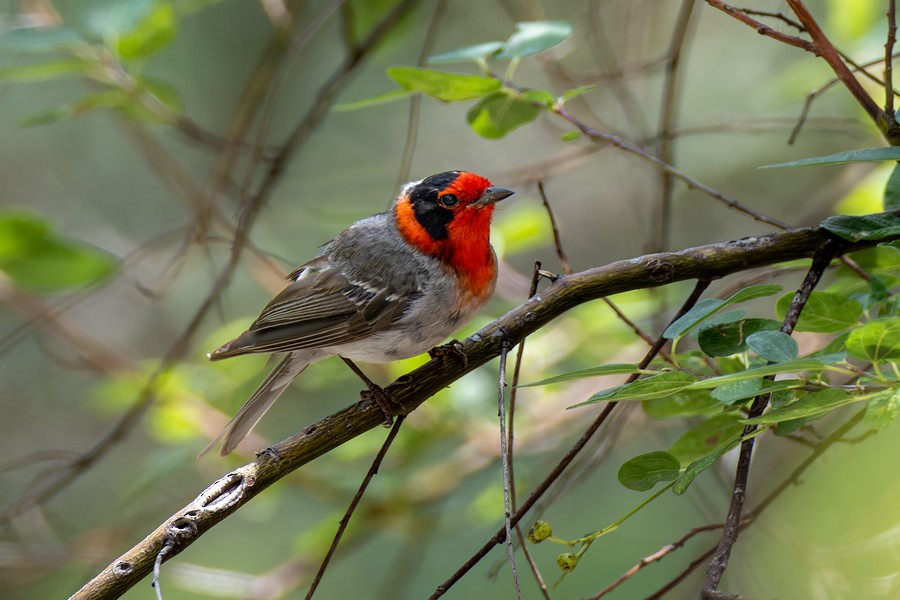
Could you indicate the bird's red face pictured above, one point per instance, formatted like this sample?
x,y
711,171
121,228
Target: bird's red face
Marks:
x,y
448,215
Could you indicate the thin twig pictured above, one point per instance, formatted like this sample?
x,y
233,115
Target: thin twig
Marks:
x,y
719,561
560,253
888,60
504,459
345,520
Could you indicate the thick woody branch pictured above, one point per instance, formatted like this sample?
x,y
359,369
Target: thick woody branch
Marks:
x,y
568,291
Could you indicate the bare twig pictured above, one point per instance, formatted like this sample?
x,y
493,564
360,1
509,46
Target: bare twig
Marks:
x,y
504,460
345,520
889,60
560,253
719,561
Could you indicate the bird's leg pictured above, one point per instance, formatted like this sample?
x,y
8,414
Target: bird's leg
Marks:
x,y
453,347
383,399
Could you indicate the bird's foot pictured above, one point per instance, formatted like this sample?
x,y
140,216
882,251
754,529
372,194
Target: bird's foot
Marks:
x,y
390,407
453,347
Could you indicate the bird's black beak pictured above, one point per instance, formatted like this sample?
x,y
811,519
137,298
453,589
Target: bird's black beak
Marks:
x,y
493,194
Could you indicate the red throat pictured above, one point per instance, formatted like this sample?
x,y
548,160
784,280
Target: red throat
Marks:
x,y
467,248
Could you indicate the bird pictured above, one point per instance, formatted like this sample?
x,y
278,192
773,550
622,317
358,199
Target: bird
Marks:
x,y
389,287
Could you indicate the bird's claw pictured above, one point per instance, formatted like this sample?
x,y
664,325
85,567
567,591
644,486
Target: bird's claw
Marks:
x,y
453,347
384,401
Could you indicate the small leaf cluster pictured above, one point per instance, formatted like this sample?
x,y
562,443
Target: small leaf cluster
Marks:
x,y
501,105
108,46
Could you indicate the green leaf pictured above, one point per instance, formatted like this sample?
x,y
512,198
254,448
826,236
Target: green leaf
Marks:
x,y
849,156
570,136
40,39
657,386
382,98
151,35
446,87
681,404
113,19
532,37
542,97
709,306
810,406
731,338
876,341
706,437
574,93
700,465
614,369
45,71
892,190
40,260
498,113
732,393
475,53
824,312
882,409
866,227
819,363
774,346
643,472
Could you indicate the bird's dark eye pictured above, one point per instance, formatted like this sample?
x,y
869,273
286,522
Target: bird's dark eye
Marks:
x,y
448,200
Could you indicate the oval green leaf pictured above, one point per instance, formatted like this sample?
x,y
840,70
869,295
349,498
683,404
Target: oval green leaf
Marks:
x,y
532,37
839,158
774,346
876,341
824,312
446,87
498,113
865,227
706,437
475,53
643,472
731,338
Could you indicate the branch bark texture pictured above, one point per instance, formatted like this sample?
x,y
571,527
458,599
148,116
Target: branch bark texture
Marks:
x,y
238,487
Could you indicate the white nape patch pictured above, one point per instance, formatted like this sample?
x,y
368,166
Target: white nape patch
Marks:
x,y
407,187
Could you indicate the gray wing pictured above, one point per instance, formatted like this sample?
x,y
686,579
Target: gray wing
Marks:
x,y
320,308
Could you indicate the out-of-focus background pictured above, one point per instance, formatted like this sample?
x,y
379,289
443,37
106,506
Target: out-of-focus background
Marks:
x,y
125,169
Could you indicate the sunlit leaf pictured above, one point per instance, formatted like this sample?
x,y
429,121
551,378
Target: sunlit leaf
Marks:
x,y
849,156
532,37
775,346
614,369
447,87
819,363
152,34
705,437
657,386
570,136
41,260
498,113
876,341
44,71
575,92
382,98
812,405
823,312
468,53
643,472
882,409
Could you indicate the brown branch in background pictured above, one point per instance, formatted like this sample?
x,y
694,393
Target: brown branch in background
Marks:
x,y
691,183
504,461
345,520
888,60
822,47
719,561
415,101
660,229
560,253
655,557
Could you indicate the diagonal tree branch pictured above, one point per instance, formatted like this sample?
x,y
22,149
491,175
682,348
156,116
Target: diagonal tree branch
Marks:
x,y
238,487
